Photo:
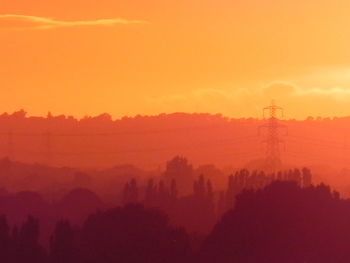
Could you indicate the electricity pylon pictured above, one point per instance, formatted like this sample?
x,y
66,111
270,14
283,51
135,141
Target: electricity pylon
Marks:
x,y
272,140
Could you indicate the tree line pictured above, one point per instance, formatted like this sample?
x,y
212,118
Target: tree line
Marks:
x,y
281,222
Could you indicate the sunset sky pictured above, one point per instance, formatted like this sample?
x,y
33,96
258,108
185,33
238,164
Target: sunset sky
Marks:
x,y
152,56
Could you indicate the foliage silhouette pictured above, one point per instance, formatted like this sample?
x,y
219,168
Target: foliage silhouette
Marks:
x,y
282,223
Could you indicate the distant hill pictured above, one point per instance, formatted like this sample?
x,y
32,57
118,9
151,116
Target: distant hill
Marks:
x,y
149,141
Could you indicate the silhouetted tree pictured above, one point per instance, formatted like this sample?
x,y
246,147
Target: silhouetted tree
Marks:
x,y
282,223
179,169
306,177
27,244
199,205
64,244
6,244
79,203
130,192
150,194
132,234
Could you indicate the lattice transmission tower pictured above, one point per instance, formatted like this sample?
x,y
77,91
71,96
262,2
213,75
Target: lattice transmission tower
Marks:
x,y
272,139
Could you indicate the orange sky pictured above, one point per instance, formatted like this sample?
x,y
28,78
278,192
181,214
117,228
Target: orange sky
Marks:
x,y
155,56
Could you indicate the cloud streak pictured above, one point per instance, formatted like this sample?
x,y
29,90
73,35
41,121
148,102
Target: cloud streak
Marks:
x,y
299,102
20,22
280,88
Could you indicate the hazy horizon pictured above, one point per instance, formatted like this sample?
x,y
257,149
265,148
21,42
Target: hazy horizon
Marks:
x,y
116,118
174,131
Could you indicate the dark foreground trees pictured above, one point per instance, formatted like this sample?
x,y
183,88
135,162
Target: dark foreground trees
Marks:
x,y
132,234
282,223
22,245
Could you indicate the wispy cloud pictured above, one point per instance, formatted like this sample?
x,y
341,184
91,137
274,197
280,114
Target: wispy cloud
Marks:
x,y
282,88
17,22
299,101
